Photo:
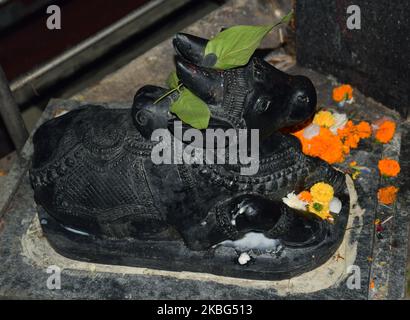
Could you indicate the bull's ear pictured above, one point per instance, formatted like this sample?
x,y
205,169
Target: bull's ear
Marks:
x,y
192,49
204,82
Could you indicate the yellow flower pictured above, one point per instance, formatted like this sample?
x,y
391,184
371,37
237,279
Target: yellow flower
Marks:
x,y
322,192
355,174
324,119
320,209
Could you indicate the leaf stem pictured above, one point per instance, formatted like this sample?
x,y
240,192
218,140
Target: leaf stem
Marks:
x,y
168,93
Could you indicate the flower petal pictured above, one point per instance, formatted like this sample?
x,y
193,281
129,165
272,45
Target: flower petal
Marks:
x,y
335,205
311,131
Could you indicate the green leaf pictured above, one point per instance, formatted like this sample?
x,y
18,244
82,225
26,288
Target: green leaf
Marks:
x,y
235,46
317,206
172,80
286,18
177,88
191,109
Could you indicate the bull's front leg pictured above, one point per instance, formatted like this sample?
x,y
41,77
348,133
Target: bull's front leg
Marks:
x,y
232,219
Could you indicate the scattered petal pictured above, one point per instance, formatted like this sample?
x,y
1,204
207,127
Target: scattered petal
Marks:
x,y
293,201
324,119
387,195
389,167
305,196
342,93
340,122
311,131
385,131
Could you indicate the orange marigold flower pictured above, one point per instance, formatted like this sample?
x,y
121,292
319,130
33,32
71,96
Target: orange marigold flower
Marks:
x,y
364,130
351,133
351,141
386,131
305,196
327,146
387,195
303,141
388,167
371,285
348,135
344,92
346,149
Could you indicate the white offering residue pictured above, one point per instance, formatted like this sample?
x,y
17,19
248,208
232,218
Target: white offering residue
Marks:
x,y
241,211
244,258
252,240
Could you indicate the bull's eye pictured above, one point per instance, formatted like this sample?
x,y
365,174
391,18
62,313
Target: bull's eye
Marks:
x,y
262,105
303,99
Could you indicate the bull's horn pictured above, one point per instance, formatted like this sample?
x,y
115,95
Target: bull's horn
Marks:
x,y
204,82
192,49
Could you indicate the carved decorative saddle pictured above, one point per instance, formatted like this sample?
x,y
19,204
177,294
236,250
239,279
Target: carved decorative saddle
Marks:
x,y
102,199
